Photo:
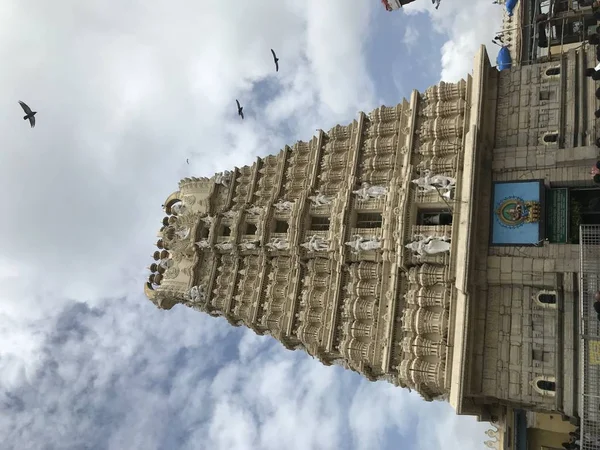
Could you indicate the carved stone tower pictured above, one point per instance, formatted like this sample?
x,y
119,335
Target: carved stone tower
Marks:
x,y
353,246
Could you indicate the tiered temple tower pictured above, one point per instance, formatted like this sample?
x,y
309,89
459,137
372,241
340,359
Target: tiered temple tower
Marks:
x,y
345,246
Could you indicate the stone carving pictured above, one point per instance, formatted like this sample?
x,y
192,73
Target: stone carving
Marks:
x,y
429,245
248,245
255,210
230,214
359,243
197,294
316,244
320,199
182,234
283,205
166,263
203,243
224,246
367,191
429,182
171,273
208,220
223,178
179,209
278,244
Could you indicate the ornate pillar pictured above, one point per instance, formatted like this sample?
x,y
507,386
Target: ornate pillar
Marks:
x,y
439,147
368,269
428,322
363,309
428,274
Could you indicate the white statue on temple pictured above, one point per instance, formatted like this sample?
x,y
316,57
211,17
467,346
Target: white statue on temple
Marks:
x,y
197,293
316,244
248,245
182,234
223,178
255,210
278,244
230,214
178,208
208,220
429,245
320,199
283,205
429,182
224,246
360,243
367,191
203,243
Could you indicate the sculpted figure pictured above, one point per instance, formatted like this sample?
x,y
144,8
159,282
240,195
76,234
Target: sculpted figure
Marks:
x,y
203,243
283,205
320,199
429,182
248,245
230,214
428,245
316,244
166,263
255,210
197,294
367,191
178,209
182,234
224,246
278,244
359,243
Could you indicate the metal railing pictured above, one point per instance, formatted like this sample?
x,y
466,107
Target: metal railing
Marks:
x,y
589,334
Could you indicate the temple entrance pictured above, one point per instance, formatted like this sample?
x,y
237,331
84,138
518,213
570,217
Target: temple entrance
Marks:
x,y
584,205
567,209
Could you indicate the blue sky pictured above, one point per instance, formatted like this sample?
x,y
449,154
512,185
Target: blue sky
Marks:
x,y
126,93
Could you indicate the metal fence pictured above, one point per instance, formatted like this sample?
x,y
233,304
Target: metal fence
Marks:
x,y
589,348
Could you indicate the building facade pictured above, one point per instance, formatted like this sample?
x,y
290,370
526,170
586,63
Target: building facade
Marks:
x,y
392,5
434,244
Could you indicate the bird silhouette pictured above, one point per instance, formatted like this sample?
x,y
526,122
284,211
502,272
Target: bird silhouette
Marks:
x,y
240,109
187,161
276,59
30,115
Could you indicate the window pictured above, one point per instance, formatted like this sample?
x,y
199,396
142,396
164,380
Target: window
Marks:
x,y
369,220
434,218
546,385
319,223
550,138
226,231
281,226
251,228
546,299
553,71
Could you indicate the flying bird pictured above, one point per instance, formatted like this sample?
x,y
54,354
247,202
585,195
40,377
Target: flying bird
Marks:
x,y
276,59
240,109
30,115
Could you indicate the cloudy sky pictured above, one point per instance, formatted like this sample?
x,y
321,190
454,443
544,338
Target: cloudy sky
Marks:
x,y
126,91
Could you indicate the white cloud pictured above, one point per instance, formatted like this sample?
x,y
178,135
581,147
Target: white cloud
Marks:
x,y
125,95
468,24
411,36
